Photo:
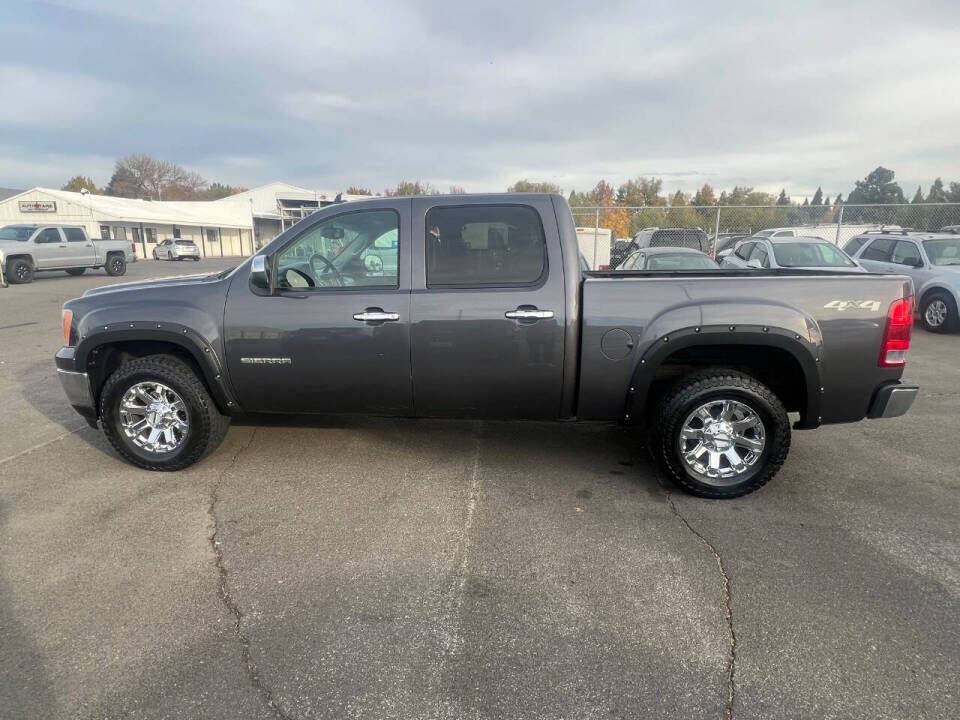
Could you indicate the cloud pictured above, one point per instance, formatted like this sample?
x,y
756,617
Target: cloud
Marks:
x,y
480,95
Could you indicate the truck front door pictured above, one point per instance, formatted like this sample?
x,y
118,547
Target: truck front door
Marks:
x,y
487,309
49,248
335,336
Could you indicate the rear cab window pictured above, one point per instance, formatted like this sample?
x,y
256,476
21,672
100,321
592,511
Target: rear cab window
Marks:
x,y
484,246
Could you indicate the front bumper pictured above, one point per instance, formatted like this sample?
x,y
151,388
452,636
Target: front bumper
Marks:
x,y
893,399
76,386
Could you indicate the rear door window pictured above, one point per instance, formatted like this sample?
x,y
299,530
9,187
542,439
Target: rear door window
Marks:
x,y
760,253
906,252
880,249
74,235
484,246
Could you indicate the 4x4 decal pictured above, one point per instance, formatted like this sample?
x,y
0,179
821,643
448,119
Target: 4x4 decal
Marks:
x,y
842,305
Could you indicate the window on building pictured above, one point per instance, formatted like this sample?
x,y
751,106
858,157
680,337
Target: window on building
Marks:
x,y
120,233
211,235
104,232
150,234
176,231
484,245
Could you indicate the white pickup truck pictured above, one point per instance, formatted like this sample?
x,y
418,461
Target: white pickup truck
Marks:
x,y
25,249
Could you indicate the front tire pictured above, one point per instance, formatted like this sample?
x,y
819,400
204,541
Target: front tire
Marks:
x,y
19,271
116,265
939,313
158,415
721,434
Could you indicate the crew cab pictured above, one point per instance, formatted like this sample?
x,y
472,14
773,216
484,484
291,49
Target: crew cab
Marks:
x,y
477,306
25,249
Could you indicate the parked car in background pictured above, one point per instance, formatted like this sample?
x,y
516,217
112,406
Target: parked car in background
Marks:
x,y
796,253
465,327
693,238
176,249
668,258
725,244
932,260
621,249
25,249
952,229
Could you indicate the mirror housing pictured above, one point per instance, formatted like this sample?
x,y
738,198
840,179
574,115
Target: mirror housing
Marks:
x,y
260,274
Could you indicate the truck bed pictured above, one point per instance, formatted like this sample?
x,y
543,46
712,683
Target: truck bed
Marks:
x,y
832,323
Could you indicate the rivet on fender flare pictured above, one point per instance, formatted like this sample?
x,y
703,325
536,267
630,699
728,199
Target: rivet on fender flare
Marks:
x,y
732,328
666,338
206,349
696,329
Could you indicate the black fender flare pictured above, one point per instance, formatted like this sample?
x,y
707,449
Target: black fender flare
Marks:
x,y
205,355
806,353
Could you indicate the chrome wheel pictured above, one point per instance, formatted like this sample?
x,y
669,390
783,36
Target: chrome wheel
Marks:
x,y
936,313
722,439
154,417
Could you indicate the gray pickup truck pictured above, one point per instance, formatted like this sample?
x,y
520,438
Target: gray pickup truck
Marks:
x,y
25,249
477,306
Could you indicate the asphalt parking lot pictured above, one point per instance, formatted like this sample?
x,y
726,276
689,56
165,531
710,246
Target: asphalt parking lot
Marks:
x,y
440,569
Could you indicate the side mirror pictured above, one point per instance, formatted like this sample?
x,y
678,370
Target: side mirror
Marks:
x,y
754,264
259,274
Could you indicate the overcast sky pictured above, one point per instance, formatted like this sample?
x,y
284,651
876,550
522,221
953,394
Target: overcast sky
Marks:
x,y
327,94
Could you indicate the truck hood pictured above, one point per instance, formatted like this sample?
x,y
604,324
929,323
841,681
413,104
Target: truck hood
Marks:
x,y
166,282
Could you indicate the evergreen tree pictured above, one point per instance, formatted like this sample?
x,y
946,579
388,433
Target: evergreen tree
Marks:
x,y
918,196
937,194
817,197
783,199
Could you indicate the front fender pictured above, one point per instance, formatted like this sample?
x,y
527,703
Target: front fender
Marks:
x,y
94,333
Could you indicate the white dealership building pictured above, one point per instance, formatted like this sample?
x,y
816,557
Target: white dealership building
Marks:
x,y
233,226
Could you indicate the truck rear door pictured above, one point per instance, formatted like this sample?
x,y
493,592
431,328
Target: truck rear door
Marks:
x,y
79,251
487,308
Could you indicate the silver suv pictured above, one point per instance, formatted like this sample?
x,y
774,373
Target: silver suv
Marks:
x,y
931,259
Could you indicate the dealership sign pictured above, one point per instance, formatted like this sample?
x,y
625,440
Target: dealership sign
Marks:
x,y
32,206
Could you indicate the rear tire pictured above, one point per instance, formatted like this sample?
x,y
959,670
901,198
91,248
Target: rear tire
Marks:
x,y
76,271
19,271
116,265
205,429
724,456
938,314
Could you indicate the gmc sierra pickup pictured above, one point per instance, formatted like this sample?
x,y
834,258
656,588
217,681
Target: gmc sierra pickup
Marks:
x,y
476,306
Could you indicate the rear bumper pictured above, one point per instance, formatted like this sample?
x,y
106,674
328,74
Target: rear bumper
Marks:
x,y
893,399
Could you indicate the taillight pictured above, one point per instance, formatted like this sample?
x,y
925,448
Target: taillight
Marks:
x,y
896,335
67,322
133,248
604,267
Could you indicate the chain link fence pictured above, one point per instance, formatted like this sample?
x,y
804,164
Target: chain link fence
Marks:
x,y
605,233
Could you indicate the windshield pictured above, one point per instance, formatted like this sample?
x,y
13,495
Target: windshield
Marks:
x,y
16,232
680,261
810,254
943,252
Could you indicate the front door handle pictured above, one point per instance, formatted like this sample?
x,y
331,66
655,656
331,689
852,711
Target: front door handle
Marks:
x,y
376,315
522,313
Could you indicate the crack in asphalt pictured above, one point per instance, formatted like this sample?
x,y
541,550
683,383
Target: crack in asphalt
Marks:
x,y
732,650
223,591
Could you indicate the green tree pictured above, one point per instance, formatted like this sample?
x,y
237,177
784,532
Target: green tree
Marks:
x,y
642,191
782,198
216,191
411,187
704,196
817,197
953,194
839,200
937,194
82,182
536,187
918,196
877,188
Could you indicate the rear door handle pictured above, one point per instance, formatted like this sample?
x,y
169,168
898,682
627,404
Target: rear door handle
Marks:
x,y
528,314
376,315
